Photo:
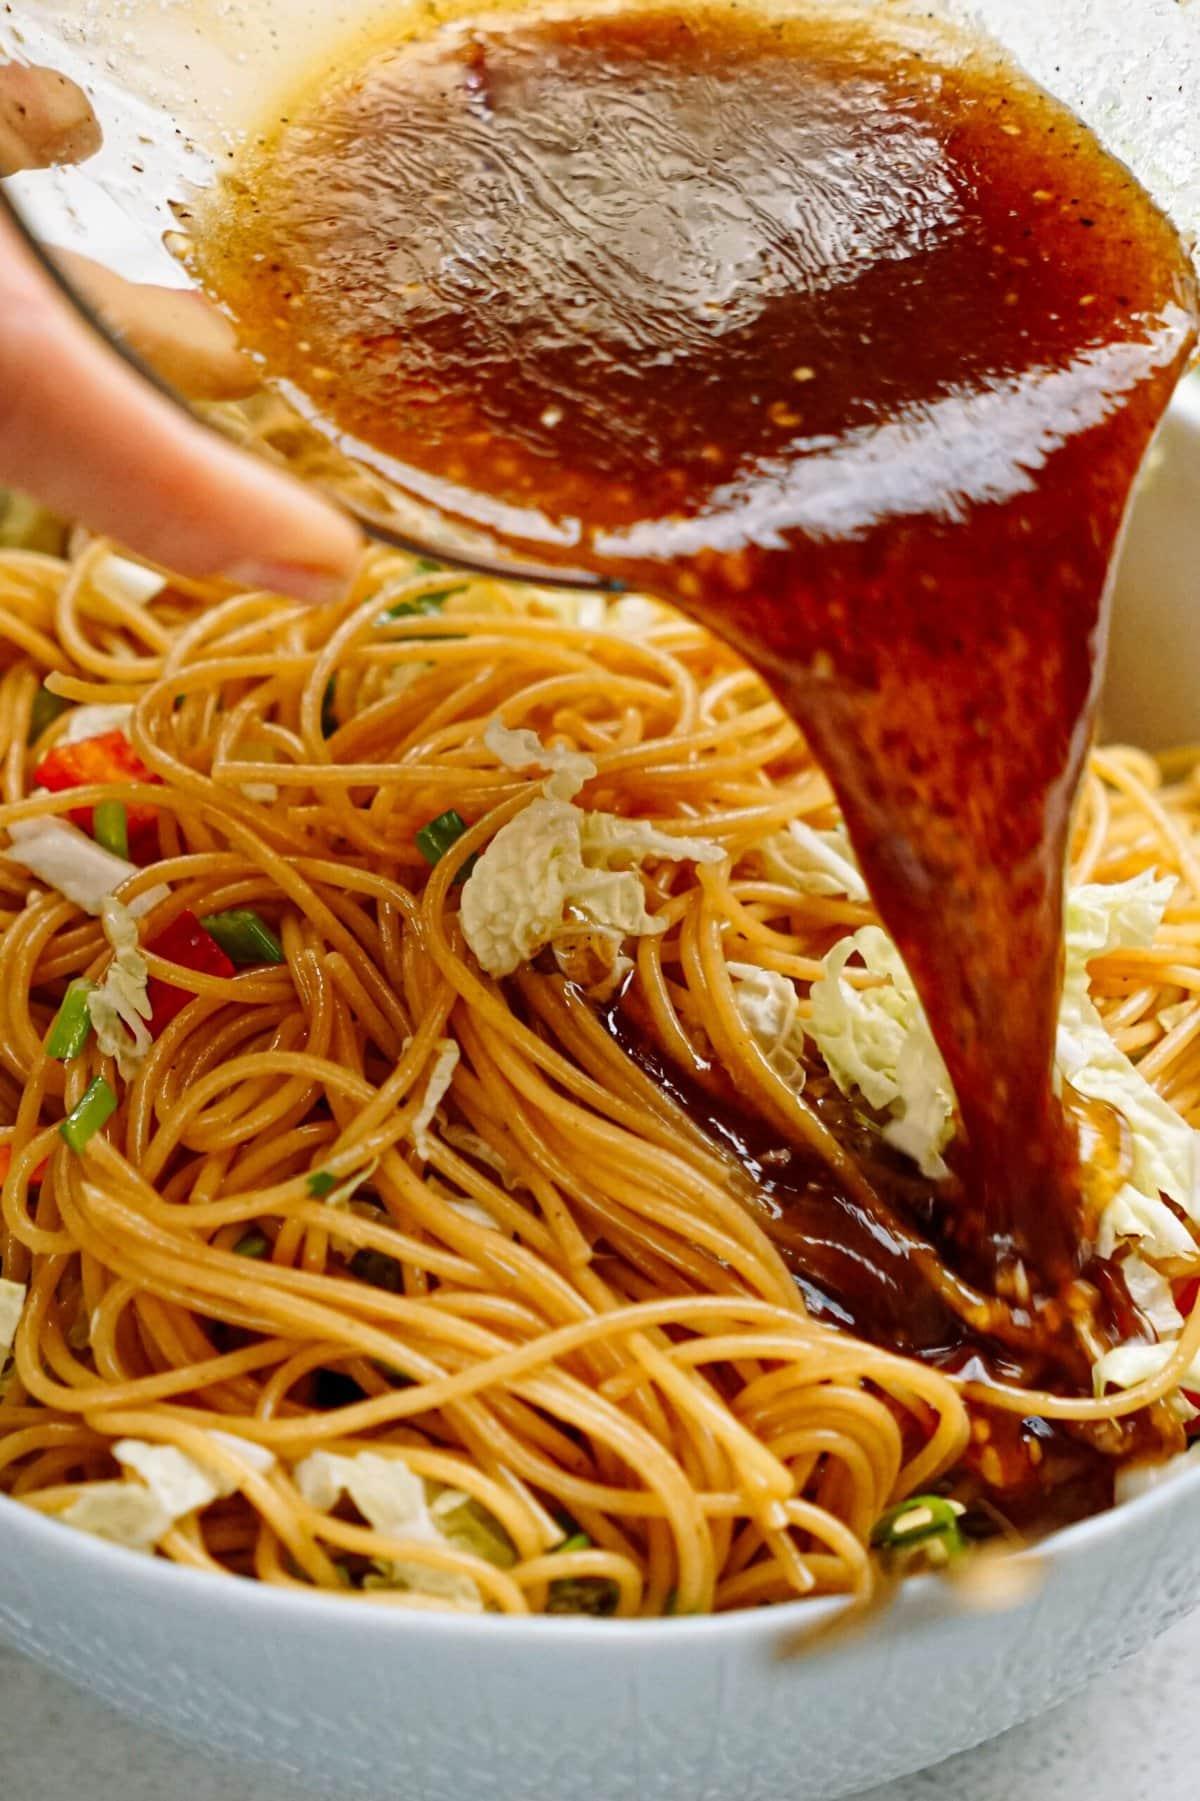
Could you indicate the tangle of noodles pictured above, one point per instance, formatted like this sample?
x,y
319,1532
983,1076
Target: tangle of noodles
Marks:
x,y
559,1302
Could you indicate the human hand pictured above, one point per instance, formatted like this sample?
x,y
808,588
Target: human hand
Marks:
x,y
83,434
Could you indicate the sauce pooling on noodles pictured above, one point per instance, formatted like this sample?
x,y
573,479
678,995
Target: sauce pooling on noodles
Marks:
x,y
852,344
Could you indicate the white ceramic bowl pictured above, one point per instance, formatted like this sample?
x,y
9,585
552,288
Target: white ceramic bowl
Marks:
x,y
359,1702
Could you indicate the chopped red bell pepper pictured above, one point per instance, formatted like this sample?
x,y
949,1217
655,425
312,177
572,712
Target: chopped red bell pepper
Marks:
x,y
6,1157
108,758
185,942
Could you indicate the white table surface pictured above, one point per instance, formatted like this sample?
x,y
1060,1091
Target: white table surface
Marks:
x,y
1130,1735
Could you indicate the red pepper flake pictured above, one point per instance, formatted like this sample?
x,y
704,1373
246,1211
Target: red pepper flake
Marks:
x,y
1185,1295
107,758
186,943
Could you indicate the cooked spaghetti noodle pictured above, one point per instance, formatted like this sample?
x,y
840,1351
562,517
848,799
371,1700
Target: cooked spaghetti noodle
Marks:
x,y
459,1290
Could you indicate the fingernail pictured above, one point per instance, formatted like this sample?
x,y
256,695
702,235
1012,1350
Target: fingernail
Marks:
x,y
318,587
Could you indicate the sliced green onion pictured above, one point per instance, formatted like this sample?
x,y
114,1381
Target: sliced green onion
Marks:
x,y
110,827
928,1521
581,1594
97,1107
254,1244
243,936
421,607
46,709
427,565
439,836
329,718
380,1270
72,1023
597,1595
321,1183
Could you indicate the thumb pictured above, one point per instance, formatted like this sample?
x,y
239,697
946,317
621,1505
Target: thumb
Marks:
x,y
82,433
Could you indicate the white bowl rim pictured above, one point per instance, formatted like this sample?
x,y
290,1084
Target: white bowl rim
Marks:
x,y
313,1607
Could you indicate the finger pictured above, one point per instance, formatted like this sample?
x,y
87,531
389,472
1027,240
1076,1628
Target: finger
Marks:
x,y
79,430
179,333
45,118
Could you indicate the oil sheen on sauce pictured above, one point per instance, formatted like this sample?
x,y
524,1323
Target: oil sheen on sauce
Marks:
x,y
849,340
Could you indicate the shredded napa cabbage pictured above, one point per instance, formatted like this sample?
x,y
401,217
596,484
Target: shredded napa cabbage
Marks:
x,y
463,1204
342,1195
587,612
169,1486
1170,1017
256,1457
12,1305
120,1007
551,866
468,1526
769,1008
1128,1364
124,1513
627,615
123,580
1151,1294
519,748
68,860
607,837
385,1491
175,1479
469,1144
814,862
436,1089
1163,1147
95,721
876,1041
265,793
553,860
395,1502
262,793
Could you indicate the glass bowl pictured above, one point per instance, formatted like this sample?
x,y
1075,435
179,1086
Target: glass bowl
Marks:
x,y
177,84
